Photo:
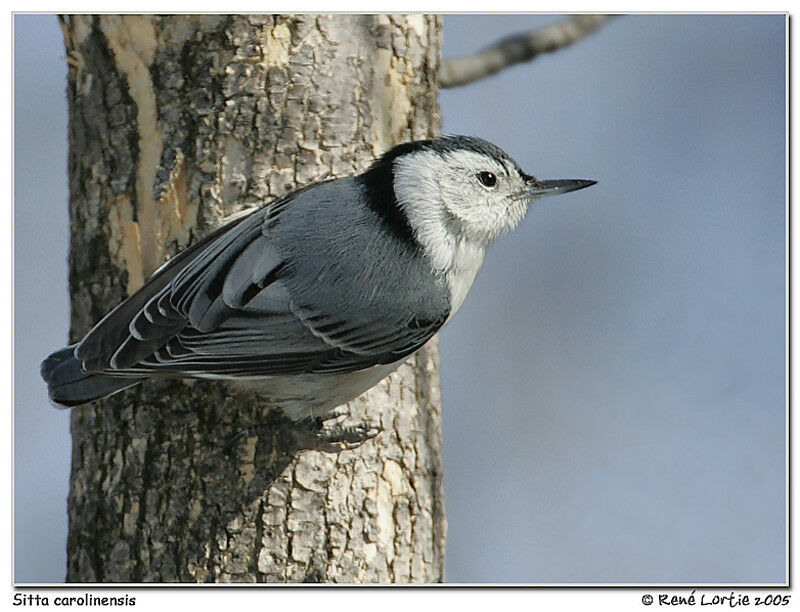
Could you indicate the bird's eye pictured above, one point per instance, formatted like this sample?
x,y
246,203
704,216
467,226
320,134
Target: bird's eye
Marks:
x,y
487,179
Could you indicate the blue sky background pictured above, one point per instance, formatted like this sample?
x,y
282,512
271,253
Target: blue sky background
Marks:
x,y
614,386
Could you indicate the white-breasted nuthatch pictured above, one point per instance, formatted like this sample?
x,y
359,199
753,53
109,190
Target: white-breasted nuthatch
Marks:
x,y
320,293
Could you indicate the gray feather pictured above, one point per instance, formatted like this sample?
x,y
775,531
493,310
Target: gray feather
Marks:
x,y
105,338
69,385
271,294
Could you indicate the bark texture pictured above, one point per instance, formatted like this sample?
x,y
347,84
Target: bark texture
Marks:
x,y
176,122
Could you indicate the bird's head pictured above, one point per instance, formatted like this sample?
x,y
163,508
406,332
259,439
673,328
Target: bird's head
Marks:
x,y
470,185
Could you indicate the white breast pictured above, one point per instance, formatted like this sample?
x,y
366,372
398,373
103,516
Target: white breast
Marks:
x,y
450,254
467,260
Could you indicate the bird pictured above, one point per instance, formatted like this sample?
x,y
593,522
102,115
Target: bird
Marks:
x,y
317,295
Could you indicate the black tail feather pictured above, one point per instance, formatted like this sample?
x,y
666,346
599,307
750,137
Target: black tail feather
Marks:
x,y
68,385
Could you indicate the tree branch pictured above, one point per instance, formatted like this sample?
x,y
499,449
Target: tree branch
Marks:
x,y
515,49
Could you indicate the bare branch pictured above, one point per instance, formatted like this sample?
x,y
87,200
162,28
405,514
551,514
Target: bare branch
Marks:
x,y
515,49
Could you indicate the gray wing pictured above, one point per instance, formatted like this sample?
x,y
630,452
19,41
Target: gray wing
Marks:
x,y
249,300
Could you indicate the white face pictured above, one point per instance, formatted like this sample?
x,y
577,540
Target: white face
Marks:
x,y
475,196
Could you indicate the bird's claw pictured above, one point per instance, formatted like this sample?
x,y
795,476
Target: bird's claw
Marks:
x,y
335,438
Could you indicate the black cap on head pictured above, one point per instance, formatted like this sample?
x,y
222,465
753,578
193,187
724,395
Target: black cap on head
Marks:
x,y
449,144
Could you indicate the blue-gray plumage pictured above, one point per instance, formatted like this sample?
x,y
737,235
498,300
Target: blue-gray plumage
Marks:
x,y
320,293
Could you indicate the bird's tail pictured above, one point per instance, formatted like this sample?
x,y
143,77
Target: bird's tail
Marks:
x,y
68,385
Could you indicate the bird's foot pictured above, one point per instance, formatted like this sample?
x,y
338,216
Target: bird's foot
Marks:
x,y
332,436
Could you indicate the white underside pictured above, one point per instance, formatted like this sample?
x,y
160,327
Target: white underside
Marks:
x,y
313,395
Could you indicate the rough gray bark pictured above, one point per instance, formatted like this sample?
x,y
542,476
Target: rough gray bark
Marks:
x,y
175,122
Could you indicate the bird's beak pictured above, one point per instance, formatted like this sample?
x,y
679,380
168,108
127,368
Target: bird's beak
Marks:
x,y
540,189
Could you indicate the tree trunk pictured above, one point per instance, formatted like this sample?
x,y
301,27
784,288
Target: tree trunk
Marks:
x,y
175,122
